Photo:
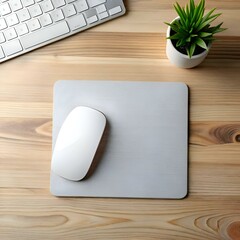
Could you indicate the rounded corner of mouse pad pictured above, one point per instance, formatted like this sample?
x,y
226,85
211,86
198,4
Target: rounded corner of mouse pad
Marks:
x,y
147,121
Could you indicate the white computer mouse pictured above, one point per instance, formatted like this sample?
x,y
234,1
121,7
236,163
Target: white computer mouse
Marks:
x,y
77,143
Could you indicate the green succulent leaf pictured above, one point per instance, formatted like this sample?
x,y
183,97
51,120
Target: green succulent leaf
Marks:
x,y
201,43
208,15
203,24
209,39
173,26
220,30
204,34
175,36
217,29
201,9
183,12
193,19
181,43
187,11
192,7
178,43
190,51
189,39
180,12
198,12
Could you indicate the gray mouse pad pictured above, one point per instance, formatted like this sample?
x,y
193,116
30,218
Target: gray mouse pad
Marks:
x,y
144,150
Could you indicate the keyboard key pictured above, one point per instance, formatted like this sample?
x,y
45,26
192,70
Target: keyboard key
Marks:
x,y
113,3
10,34
69,10
76,22
5,9
45,34
70,1
35,10
101,8
33,24
3,24
93,3
2,38
58,3
1,53
92,19
12,20
45,20
57,15
47,6
12,47
21,29
115,10
27,3
81,5
15,5
23,15
103,15
89,13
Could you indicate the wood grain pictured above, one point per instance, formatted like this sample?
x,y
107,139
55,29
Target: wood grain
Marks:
x,y
129,48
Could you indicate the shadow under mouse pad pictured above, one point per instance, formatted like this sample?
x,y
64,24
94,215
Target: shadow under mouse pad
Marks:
x,y
144,150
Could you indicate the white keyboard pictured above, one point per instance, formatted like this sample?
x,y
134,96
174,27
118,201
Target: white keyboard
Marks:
x,y
29,24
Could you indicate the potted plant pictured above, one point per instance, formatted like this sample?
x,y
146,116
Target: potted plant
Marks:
x,y
189,36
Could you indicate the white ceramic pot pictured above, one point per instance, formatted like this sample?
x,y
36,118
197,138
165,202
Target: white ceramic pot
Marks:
x,y
182,60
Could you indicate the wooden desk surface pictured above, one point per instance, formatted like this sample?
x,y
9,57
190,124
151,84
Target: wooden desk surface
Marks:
x,y
128,48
